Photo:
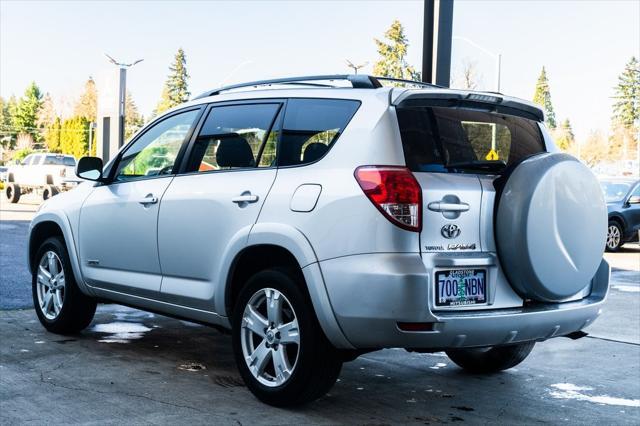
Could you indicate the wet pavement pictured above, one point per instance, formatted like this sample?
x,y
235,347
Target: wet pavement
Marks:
x,y
135,367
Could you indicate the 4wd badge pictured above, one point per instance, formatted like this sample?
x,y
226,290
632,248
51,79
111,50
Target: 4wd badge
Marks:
x,y
450,231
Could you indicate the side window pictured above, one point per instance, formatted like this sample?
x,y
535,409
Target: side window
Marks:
x,y
27,160
155,152
37,159
310,127
233,137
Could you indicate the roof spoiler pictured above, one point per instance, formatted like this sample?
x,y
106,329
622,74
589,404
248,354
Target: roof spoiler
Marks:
x,y
475,100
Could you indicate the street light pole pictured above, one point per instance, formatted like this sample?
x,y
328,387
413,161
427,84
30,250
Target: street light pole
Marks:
x,y
122,94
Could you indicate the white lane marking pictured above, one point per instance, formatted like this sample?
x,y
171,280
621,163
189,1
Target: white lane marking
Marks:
x,y
571,391
628,288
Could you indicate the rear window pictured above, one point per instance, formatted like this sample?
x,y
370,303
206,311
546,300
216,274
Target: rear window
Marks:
x,y
59,160
437,139
311,127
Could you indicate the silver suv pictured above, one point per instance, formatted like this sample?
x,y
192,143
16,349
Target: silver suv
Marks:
x,y
319,218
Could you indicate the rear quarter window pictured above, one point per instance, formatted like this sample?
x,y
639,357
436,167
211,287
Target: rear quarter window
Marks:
x,y
311,127
439,139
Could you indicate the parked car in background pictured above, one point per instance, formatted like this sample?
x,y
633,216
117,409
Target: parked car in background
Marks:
x,y
623,203
3,173
44,173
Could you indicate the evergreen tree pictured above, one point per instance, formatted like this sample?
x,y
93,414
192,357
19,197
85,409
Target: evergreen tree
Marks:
x,y
176,88
87,105
52,135
74,136
132,120
392,62
565,139
626,109
542,97
25,118
7,131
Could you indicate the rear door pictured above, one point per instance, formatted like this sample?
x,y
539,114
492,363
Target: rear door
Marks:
x,y
210,208
456,153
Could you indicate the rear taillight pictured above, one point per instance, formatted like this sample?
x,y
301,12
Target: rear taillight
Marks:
x,y
63,172
395,192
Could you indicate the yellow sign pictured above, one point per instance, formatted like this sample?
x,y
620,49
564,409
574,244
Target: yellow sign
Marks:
x,y
492,155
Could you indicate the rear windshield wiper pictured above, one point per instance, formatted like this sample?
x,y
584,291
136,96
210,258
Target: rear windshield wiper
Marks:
x,y
496,165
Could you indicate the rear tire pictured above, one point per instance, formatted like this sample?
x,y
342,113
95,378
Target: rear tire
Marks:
x,y
13,192
49,191
614,236
491,359
60,305
316,364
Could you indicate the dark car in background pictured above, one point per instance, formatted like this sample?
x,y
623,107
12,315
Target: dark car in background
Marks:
x,y
623,203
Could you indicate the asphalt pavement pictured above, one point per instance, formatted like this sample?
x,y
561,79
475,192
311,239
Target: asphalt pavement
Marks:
x,y
133,367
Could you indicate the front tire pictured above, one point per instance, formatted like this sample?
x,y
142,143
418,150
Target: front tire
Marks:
x,y
60,305
614,236
282,354
491,359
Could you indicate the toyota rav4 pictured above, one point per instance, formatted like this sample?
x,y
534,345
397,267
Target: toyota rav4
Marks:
x,y
319,218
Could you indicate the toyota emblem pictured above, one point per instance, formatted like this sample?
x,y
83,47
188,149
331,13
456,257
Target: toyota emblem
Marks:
x,y
450,231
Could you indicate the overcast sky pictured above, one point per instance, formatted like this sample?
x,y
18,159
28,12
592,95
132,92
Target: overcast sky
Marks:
x,y
583,44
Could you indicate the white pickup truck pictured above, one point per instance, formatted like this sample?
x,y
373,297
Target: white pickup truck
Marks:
x,y
44,173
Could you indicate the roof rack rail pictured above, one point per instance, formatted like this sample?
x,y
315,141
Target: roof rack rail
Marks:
x,y
408,82
358,81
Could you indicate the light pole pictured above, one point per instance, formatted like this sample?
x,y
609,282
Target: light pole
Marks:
x,y
496,56
92,125
122,93
356,67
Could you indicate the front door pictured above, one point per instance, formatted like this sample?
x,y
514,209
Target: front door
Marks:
x,y
209,210
118,221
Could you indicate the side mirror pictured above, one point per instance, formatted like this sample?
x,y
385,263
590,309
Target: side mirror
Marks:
x,y
634,199
89,168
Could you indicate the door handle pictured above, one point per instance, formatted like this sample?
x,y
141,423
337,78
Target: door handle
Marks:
x,y
245,198
149,199
441,206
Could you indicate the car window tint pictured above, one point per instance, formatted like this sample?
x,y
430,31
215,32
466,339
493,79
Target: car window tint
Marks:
x,y
154,153
27,160
311,127
233,136
435,138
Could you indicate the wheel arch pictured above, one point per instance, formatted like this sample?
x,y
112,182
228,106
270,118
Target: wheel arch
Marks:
x,y
278,245
49,224
618,218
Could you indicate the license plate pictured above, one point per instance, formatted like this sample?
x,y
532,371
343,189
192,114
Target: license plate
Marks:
x,y
461,287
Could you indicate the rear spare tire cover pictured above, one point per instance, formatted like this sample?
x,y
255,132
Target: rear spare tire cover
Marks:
x,y
551,224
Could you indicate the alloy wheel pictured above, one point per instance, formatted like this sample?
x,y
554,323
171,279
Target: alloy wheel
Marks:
x,y
613,237
270,337
50,285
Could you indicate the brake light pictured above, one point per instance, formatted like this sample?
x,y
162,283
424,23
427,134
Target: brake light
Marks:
x,y
63,172
395,192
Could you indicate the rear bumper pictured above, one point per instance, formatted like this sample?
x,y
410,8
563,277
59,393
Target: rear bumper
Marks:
x,y
370,294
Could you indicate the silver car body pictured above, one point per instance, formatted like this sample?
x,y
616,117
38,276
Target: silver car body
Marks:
x,y
364,274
